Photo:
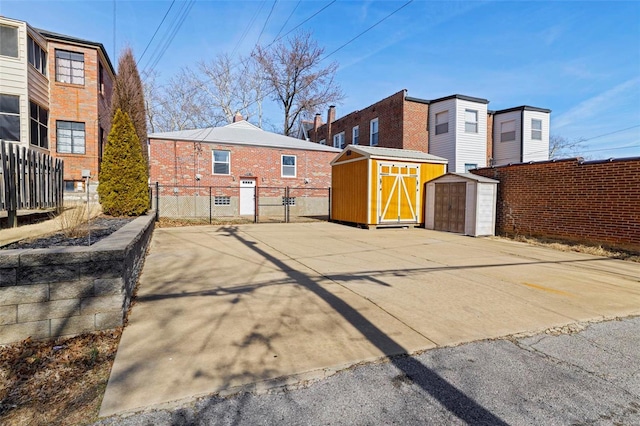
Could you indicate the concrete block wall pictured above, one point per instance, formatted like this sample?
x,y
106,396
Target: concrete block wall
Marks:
x,y
593,202
70,290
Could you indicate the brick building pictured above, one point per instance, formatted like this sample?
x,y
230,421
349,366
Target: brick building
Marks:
x,y
457,127
239,155
55,96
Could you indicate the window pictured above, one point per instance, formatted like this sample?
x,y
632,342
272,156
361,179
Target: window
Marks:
x,y
100,78
470,121
69,67
508,131
70,137
442,122
8,41
288,166
536,129
338,140
355,135
221,162
10,118
323,142
373,132
73,186
291,201
470,166
220,200
39,120
37,56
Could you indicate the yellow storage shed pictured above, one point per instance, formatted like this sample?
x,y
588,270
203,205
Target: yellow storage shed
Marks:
x,y
374,186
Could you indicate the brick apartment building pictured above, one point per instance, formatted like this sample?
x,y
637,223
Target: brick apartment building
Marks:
x,y
457,127
55,96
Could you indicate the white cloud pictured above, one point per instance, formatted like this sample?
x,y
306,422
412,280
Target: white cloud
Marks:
x,y
595,105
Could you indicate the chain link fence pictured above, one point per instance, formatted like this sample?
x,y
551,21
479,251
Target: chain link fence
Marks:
x,y
234,204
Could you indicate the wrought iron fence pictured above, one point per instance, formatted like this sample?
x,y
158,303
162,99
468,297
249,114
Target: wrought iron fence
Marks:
x,y
224,204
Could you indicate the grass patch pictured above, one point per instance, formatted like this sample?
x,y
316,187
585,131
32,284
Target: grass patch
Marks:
x,y
580,248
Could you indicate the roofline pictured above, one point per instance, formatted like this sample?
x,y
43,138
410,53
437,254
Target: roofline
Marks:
x,y
461,97
418,100
523,108
63,37
327,147
365,154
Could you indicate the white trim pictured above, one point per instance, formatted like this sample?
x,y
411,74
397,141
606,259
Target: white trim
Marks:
x,y
295,166
377,123
353,134
213,163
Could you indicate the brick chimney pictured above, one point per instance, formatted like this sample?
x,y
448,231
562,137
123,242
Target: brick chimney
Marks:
x,y
331,117
317,122
237,117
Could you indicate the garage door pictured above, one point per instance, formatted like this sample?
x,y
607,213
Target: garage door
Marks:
x,y
398,192
450,206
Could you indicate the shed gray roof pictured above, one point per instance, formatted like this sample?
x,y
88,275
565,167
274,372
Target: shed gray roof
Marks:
x,y
469,176
404,154
242,133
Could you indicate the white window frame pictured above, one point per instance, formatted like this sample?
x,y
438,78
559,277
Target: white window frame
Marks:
x,y
214,162
442,127
17,48
536,133
355,135
12,116
338,140
470,126
75,66
288,166
470,166
508,135
374,124
75,134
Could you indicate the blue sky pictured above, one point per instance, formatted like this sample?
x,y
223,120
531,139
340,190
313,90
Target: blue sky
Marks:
x,y
579,59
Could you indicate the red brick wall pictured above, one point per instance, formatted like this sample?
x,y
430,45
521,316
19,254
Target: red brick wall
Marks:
x,y
178,162
389,112
78,103
415,129
591,202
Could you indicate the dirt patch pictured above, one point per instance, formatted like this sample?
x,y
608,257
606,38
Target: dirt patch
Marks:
x,y
86,234
174,223
59,381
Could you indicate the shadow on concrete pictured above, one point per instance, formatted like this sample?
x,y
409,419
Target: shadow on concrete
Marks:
x,y
454,400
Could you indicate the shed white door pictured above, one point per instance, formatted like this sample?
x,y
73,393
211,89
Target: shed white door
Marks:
x,y
398,192
247,196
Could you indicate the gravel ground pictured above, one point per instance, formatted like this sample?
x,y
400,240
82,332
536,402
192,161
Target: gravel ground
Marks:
x,y
99,228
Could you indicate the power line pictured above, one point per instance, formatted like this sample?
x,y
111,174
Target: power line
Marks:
x,y
300,24
611,133
246,30
287,21
267,20
368,29
156,32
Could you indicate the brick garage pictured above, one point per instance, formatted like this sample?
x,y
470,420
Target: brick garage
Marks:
x,y
592,202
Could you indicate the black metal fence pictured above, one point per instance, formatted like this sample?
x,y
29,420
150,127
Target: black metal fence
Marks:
x,y
236,204
30,180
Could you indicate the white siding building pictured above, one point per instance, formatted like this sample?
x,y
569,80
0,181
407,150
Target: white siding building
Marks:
x,y
458,131
520,134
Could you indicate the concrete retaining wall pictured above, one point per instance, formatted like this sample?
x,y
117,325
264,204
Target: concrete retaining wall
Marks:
x,y
69,290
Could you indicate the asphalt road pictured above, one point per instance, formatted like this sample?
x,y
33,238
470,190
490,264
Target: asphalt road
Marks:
x,y
581,374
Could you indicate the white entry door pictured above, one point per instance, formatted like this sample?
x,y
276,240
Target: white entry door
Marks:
x,y
247,196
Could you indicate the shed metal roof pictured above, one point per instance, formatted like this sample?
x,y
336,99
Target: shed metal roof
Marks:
x,y
469,176
380,153
242,133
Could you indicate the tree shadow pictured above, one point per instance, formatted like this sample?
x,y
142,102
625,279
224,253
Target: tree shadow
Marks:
x,y
454,400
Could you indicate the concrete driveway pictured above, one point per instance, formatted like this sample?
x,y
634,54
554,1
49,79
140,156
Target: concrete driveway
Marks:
x,y
251,307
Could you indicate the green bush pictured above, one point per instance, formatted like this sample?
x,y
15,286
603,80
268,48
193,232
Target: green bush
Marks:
x,y
123,186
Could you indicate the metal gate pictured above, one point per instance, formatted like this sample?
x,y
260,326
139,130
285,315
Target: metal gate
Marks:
x,y
450,206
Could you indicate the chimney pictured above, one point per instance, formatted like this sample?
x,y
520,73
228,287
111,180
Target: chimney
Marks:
x,y
317,122
331,114
237,117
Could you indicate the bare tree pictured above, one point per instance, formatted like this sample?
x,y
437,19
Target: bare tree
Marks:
x,y
296,80
232,87
128,96
561,147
